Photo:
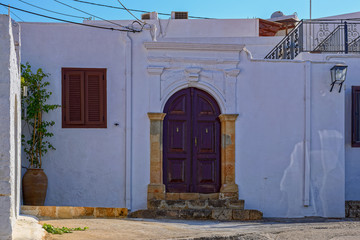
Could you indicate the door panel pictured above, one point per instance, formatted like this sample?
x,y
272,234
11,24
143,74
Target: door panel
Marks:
x,y
206,153
191,143
177,136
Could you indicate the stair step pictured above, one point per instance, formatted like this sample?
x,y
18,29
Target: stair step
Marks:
x,y
196,204
199,214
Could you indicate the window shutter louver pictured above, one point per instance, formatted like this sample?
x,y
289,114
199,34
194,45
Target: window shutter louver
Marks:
x,y
94,98
84,98
74,97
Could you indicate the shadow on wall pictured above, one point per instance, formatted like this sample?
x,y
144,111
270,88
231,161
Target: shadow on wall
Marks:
x,y
326,175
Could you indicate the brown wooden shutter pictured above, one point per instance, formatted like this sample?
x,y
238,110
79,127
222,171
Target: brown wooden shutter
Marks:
x,y
74,97
94,98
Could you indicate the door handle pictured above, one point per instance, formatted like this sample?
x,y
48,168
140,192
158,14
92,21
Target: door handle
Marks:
x,y
195,141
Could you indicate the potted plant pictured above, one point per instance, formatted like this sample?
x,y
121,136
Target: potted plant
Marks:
x,y
35,141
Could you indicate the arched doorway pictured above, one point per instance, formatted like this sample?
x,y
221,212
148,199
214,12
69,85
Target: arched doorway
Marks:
x,y
191,137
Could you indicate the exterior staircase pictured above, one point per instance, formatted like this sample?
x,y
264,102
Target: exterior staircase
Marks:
x,y
191,206
319,36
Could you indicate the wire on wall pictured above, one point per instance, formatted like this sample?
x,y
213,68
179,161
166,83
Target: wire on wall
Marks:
x,y
67,21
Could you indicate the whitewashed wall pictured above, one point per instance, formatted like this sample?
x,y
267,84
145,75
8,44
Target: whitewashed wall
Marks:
x,y
290,135
88,166
352,154
10,125
275,128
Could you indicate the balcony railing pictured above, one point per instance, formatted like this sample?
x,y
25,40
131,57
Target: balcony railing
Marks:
x,y
320,36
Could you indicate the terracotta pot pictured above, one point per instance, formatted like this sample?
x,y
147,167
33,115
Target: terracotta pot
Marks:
x,y
34,186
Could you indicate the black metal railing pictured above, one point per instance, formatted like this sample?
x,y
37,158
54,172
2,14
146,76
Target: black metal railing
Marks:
x,y
319,36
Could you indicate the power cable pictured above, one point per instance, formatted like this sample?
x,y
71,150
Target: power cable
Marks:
x,y
92,15
67,21
14,14
64,14
130,12
134,10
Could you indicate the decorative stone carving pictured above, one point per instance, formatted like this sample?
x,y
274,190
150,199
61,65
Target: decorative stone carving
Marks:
x,y
192,74
232,72
153,70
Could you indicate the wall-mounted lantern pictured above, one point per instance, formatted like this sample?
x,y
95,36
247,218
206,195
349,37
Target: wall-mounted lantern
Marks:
x,y
338,75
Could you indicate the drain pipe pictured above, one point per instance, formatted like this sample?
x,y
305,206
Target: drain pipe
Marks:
x,y
307,132
128,121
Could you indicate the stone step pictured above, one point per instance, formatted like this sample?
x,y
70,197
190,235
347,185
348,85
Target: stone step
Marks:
x,y
198,196
199,214
196,204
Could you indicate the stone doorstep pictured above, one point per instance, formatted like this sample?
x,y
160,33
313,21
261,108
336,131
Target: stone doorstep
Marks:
x,y
196,204
73,212
199,214
198,196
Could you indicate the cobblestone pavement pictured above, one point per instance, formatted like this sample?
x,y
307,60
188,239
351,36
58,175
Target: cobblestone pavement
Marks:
x,y
305,228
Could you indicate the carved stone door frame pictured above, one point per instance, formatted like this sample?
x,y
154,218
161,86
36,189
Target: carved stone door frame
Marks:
x,y
156,188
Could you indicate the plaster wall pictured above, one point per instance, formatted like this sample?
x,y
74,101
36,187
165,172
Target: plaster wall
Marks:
x,y
352,154
285,133
93,167
289,139
88,166
10,126
290,142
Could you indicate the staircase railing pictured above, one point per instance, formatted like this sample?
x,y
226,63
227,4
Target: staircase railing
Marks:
x,y
290,46
320,36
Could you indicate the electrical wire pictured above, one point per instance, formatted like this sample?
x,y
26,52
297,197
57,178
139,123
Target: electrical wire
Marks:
x,y
134,10
64,14
130,12
92,15
67,21
15,15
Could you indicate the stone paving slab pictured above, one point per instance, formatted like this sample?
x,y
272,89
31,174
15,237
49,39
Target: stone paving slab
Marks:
x,y
280,229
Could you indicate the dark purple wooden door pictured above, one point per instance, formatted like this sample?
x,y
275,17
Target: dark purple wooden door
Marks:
x,y
192,142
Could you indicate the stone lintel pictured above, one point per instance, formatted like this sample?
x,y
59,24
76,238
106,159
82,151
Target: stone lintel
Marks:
x,y
228,117
155,70
156,116
232,72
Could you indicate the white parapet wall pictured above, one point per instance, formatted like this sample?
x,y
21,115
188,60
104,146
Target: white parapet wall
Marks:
x,y
10,125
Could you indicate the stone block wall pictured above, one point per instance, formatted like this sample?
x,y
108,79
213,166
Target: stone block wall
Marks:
x,y
352,209
10,125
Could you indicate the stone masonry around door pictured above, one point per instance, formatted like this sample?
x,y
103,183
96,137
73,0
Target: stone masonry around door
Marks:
x,y
190,190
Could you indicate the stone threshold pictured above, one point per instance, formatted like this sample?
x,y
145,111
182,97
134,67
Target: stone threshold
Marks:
x,y
62,212
191,196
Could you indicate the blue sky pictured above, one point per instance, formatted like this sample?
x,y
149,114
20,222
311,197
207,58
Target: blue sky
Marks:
x,y
202,8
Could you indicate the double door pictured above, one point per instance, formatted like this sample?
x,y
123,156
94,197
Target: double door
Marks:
x,y
191,150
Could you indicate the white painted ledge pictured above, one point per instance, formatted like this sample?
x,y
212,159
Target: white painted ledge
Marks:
x,y
193,46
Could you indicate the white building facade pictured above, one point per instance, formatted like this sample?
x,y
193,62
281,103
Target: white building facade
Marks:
x,y
292,156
